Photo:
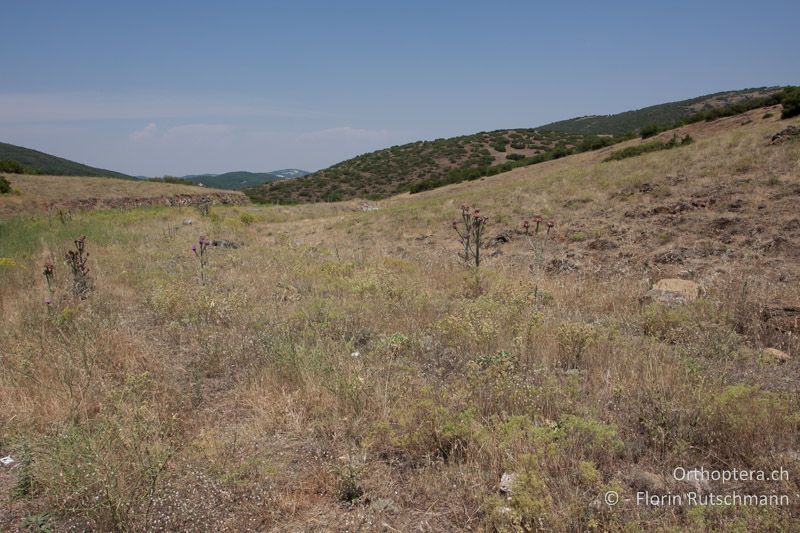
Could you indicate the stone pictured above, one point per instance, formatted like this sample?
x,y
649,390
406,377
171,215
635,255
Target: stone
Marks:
x,y
507,481
222,243
672,291
786,134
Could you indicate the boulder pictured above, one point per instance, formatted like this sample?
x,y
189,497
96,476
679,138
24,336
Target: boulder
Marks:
x,y
672,291
786,134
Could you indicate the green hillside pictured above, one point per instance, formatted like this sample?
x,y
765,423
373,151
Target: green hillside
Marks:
x,y
669,113
35,162
242,179
425,165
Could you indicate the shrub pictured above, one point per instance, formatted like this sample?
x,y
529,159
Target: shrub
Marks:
x,y
12,167
790,99
5,186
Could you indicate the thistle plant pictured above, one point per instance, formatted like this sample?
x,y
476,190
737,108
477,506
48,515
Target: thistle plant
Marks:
x,y
199,250
49,275
76,259
538,239
470,232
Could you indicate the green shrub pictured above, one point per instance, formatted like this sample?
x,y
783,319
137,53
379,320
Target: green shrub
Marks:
x,y
790,99
12,167
5,186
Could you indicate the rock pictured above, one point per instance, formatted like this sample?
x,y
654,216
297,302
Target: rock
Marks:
x,y
502,237
602,244
782,317
675,256
672,291
561,265
222,243
777,355
507,481
787,134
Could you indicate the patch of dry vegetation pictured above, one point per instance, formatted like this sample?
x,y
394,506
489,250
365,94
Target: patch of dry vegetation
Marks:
x,y
342,370
35,194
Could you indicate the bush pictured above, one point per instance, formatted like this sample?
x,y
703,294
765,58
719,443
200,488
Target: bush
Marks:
x,y
5,186
12,167
790,99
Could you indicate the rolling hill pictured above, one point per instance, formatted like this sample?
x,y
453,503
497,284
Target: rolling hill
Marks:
x,y
41,163
242,179
668,113
428,164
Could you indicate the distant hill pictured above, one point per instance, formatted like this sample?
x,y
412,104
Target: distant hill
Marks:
x,y
671,112
399,168
242,179
41,163
427,164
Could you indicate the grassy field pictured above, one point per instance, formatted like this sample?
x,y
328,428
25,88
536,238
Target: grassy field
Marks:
x,y
342,370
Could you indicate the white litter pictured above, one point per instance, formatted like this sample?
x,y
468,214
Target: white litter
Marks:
x,y
355,354
7,460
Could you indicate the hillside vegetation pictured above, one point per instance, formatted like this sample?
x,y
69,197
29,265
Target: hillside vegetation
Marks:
x,y
34,162
342,369
243,179
400,168
425,165
662,114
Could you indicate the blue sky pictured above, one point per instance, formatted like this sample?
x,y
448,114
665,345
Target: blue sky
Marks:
x,y
175,87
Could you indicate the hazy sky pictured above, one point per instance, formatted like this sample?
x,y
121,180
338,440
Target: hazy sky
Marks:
x,y
175,87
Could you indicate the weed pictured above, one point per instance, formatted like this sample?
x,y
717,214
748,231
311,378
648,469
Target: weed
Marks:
x,y
76,259
573,339
350,481
37,523
200,250
204,207
470,233
25,484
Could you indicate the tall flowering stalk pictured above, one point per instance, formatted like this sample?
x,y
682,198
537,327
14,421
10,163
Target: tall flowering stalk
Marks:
x,y
76,259
538,244
49,275
199,250
470,231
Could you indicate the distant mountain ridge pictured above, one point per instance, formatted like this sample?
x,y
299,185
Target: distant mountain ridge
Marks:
x,y
242,179
41,163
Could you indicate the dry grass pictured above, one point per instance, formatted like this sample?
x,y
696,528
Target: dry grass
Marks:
x,y
36,194
341,371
